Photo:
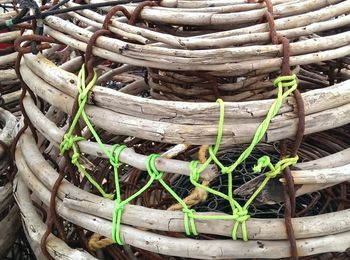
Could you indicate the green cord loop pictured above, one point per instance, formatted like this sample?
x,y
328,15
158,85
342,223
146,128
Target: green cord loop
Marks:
x,y
116,222
151,167
286,81
116,150
240,215
194,172
68,142
75,158
189,223
264,161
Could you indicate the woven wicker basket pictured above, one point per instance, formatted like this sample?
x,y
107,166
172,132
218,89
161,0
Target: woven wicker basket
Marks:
x,y
191,53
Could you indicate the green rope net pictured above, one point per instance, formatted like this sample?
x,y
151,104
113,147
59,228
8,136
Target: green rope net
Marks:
x,y
285,86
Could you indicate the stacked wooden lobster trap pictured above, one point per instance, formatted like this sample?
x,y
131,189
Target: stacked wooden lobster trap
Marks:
x,y
180,129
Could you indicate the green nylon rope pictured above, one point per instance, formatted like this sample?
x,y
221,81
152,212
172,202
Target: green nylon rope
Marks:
x,y
69,141
239,214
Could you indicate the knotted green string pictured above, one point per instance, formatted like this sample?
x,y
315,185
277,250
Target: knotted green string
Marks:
x,y
117,213
240,214
69,141
189,223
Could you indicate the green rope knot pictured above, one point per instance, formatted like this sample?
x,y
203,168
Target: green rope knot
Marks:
x,y
83,96
189,223
75,158
68,142
240,215
117,216
264,161
194,172
285,81
115,154
152,168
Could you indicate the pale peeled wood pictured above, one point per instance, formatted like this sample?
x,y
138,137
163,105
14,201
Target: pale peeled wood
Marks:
x,y
12,96
142,217
294,26
186,112
220,249
35,228
219,59
49,130
203,18
8,131
128,156
234,132
8,59
9,36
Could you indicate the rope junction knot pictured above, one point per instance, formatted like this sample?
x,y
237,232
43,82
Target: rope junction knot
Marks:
x,y
68,142
240,215
276,169
152,168
116,151
117,218
189,223
286,81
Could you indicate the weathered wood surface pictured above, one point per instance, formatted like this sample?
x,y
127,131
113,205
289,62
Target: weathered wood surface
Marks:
x,y
197,57
220,249
55,135
143,217
235,131
191,113
168,64
294,26
8,130
35,228
196,18
8,59
11,97
9,36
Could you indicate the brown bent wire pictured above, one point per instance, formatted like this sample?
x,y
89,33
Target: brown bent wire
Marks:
x,y
22,50
138,10
131,17
289,190
33,37
27,123
52,217
112,12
